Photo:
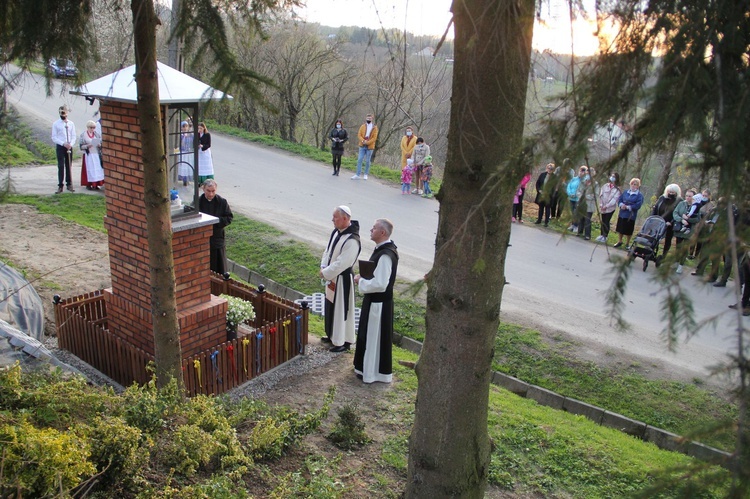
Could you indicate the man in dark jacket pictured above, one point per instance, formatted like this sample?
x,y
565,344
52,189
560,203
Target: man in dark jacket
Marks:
x,y
211,203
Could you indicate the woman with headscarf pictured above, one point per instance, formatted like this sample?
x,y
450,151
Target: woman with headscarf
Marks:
x,y
92,173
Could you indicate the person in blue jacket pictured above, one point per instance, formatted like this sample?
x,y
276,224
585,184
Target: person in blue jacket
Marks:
x,y
630,202
573,195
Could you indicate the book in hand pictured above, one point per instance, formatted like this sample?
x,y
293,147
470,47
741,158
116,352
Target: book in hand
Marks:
x,y
366,269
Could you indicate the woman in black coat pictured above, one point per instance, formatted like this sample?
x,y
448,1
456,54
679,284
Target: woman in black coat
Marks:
x,y
338,136
545,187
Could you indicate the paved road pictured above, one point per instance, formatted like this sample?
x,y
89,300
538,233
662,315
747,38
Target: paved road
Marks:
x,y
555,282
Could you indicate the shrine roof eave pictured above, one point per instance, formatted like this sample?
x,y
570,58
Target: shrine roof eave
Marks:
x,y
175,87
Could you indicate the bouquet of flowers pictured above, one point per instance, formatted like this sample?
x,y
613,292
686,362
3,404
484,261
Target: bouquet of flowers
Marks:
x,y
238,311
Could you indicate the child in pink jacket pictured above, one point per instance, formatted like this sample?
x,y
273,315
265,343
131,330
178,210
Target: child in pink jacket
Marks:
x,y
406,176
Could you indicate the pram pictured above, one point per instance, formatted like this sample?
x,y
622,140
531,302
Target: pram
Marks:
x,y
646,243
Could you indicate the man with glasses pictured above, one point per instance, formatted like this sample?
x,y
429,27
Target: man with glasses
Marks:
x,y
63,135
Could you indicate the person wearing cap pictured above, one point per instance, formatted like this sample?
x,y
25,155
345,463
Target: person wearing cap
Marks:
x,y
373,358
215,205
63,135
339,257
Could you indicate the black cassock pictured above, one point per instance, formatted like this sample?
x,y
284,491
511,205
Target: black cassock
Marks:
x,y
372,358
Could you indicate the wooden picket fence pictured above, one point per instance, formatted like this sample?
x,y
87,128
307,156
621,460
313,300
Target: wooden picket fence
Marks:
x,y
82,330
258,351
277,335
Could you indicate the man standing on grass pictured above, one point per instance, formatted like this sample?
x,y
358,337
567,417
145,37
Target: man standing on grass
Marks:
x,y
63,135
211,203
336,268
372,359
367,136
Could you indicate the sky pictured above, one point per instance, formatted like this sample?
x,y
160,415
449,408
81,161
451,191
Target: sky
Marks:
x,y
431,17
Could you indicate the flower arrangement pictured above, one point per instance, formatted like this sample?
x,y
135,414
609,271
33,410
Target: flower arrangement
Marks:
x,y
238,311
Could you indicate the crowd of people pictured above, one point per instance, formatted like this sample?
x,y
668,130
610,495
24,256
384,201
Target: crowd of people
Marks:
x,y
690,217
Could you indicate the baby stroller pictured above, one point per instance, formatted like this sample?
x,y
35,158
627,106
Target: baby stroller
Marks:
x,y
646,243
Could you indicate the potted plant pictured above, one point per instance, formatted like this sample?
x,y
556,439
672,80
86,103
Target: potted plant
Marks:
x,y
238,312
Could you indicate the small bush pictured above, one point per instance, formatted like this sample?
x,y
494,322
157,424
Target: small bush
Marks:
x,y
41,462
188,449
117,450
349,430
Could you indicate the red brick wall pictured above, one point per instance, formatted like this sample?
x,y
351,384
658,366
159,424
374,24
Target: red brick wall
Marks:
x,y
202,317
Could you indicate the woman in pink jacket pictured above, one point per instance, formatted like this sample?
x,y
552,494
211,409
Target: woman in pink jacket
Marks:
x,y
518,200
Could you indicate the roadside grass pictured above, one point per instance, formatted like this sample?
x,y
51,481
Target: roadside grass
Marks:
x,y
542,452
275,255
679,407
13,154
82,209
157,441
18,147
310,152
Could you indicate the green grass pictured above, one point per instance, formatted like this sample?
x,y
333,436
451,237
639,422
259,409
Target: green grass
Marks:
x,y
542,452
679,407
79,208
518,351
314,153
18,147
270,252
12,153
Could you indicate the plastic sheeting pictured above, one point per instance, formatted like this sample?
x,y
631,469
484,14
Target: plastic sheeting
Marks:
x,y
20,305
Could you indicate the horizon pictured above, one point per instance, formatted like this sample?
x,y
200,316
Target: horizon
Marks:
x,y
431,17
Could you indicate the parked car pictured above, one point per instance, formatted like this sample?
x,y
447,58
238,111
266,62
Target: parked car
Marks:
x,y
63,68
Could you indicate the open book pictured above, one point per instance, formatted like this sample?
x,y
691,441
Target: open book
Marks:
x,y
366,269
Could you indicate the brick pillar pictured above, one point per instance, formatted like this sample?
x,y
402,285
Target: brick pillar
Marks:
x,y
202,316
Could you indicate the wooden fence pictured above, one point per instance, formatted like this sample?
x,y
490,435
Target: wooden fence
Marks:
x,y
82,330
277,335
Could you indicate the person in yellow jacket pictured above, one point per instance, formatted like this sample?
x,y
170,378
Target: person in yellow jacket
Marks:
x,y
408,141
366,138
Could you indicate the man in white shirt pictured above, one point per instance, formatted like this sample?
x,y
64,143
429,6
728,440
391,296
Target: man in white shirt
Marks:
x,y
64,135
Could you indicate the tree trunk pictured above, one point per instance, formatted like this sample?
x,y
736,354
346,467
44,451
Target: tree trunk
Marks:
x,y
156,197
666,168
449,449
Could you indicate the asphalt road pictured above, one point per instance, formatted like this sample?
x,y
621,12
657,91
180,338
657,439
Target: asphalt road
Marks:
x,y
556,282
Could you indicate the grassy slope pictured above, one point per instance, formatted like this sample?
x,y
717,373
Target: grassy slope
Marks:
x,y
519,352
542,451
